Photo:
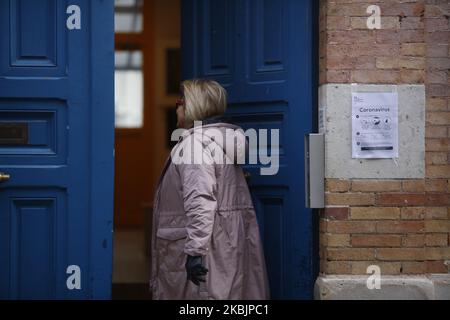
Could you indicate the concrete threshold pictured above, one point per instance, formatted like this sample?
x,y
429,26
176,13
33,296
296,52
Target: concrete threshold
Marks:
x,y
405,287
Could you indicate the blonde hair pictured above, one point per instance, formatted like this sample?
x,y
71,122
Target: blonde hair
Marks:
x,y
203,98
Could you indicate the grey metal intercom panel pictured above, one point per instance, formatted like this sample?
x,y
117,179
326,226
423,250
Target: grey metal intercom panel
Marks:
x,y
315,170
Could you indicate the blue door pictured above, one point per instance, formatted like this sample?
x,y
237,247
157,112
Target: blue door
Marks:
x,y
56,148
261,51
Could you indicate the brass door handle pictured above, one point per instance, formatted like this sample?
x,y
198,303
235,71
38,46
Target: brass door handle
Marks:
x,y
4,177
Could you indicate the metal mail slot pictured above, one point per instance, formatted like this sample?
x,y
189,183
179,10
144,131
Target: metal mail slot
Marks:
x,y
13,133
315,170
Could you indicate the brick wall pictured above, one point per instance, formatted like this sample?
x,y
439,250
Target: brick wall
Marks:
x,y
401,225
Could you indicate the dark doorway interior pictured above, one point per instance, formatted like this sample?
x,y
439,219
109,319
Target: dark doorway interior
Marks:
x,y
147,75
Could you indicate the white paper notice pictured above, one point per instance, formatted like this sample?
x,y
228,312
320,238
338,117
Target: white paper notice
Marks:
x,y
374,125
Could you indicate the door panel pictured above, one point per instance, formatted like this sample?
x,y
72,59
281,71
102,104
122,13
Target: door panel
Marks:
x,y
262,53
34,228
45,124
267,29
47,138
37,44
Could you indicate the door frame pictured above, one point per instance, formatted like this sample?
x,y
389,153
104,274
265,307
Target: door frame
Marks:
x,y
315,11
311,71
101,127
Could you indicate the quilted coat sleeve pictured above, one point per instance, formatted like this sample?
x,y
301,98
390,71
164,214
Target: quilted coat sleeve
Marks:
x,y
200,204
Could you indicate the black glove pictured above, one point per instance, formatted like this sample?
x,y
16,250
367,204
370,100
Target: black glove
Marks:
x,y
195,270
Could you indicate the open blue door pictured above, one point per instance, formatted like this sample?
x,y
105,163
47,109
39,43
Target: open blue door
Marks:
x,y
56,148
261,51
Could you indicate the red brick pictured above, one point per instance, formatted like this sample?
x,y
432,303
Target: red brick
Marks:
x,y
401,199
337,185
438,118
387,62
351,227
437,253
413,267
323,39
374,213
375,76
408,36
438,37
350,254
413,49
432,25
433,11
438,266
336,213
413,213
438,199
436,185
322,77
440,145
411,23
387,37
437,90
400,254
402,9
338,76
350,199
387,23
436,158
343,63
387,268
437,226
351,37
437,76
433,171
437,240
335,267
323,224
436,131
338,22
363,49
439,63
413,240
400,226
336,240
436,213
412,62
376,185
412,76
436,104
322,252
354,10
379,240
413,185
437,50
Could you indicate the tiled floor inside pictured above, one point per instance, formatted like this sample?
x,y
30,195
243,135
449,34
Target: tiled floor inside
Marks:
x,y
131,266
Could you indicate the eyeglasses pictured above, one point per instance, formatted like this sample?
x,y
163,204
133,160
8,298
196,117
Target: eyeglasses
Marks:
x,y
179,103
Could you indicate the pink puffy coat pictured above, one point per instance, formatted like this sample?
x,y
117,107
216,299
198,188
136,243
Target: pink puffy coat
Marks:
x,y
206,209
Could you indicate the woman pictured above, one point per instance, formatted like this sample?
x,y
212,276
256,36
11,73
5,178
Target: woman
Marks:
x,y
206,242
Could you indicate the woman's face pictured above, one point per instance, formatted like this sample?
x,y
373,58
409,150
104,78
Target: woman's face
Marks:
x,y
181,117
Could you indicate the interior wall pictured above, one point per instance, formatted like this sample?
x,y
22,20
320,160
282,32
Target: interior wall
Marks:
x,y
167,34
140,154
132,156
